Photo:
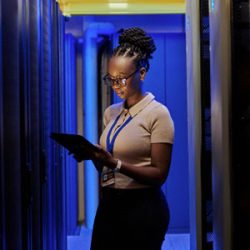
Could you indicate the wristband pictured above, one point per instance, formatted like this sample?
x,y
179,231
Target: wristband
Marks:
x,y
118,166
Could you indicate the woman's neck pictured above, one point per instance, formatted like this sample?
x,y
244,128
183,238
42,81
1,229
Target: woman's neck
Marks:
x,y
132,100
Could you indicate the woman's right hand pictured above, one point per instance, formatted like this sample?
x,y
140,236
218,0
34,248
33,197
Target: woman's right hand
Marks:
x,y
99,158
97,165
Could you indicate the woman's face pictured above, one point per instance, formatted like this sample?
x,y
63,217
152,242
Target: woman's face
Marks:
x,y
124,68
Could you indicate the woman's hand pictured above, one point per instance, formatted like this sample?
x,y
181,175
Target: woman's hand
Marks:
x,y
103,158
100,158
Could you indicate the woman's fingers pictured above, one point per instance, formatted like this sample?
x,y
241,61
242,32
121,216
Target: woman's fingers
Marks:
x,y
79,159
98,146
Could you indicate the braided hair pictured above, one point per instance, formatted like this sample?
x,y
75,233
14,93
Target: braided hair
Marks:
x,y
135,42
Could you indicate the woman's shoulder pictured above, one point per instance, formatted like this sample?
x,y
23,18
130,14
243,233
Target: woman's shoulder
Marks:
x,y
158,113
157,108
161,124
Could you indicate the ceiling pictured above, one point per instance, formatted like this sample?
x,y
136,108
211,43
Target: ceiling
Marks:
x,y
113,7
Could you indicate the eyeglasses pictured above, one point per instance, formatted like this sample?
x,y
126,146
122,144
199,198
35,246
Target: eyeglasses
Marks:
x,y
117,82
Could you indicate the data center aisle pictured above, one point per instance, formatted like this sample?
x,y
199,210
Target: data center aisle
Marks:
x,y
172,241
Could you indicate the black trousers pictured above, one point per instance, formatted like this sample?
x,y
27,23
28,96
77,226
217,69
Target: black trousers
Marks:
x,y
134,219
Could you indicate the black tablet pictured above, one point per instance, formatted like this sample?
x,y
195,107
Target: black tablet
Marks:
x,y
76,144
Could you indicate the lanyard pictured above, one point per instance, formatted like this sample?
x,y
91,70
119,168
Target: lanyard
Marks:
x,y
110,144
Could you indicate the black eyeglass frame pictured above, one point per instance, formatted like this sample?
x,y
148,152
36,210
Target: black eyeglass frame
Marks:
x,y
115,82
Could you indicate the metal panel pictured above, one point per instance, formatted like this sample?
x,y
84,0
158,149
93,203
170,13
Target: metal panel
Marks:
x,y
194,121
11,122
47,192
176,100
241,122
79,77
2,189
60,171
52,82
220,63
32,123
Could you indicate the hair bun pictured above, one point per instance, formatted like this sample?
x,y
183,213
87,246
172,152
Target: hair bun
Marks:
x,y
139,39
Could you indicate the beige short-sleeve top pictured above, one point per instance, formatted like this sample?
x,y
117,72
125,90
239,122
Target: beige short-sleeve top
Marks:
x,y
151,123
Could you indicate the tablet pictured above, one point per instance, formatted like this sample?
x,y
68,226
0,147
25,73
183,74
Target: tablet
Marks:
x,y
75,144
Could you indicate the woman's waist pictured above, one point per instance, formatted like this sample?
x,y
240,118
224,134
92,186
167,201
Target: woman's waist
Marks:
x,y
130,193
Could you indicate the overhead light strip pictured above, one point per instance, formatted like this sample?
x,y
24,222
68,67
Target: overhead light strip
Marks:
x,y
121,8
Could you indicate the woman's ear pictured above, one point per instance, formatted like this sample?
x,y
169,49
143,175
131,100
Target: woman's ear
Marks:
x,y
143,72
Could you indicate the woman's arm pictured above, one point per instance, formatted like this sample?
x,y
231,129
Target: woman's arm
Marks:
x,y
155,174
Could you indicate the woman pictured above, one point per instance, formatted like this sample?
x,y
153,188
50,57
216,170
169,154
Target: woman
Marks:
x,y
134,156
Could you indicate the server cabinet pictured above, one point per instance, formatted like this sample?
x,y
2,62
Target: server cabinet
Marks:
x,y
241,121
32,56
2,208
10,134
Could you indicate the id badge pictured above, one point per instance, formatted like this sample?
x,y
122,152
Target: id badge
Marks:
x,y
107,177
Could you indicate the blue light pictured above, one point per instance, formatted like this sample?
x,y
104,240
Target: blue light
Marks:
x,y
212,4
90,94
90,128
